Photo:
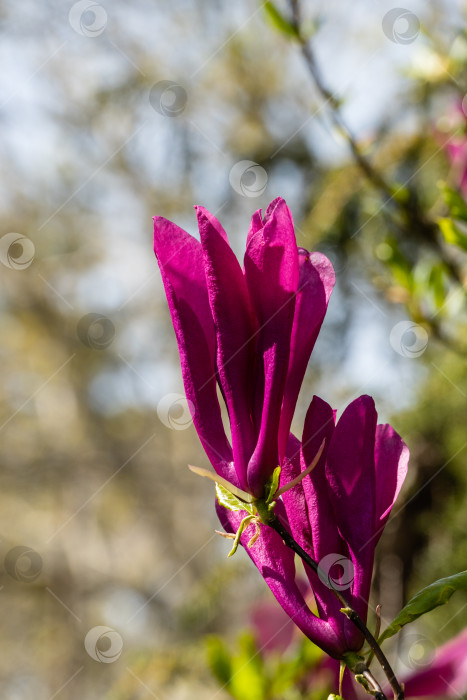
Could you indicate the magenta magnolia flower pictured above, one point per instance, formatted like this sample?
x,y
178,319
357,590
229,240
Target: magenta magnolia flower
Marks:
x,y
337,514
251,331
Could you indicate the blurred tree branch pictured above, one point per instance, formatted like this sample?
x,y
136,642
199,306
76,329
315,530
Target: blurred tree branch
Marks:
x,y
412,221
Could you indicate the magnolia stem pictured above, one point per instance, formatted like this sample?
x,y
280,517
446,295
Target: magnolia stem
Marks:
x,y
373,683
353,616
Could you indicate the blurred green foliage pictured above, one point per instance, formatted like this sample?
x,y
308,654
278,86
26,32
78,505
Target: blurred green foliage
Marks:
x,y
249,674
92,479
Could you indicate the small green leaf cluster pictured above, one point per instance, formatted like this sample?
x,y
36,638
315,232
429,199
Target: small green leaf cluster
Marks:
x,y
249,674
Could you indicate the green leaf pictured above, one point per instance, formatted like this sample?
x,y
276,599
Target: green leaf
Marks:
x,y
278,21
341,674
456,203
272,485
425,600
360,678
242,495
231,502
219,660
452,233
436,282
400,193
245,522
249,681
398,264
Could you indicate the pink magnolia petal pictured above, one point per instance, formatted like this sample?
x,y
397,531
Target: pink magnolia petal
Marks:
x,y
294,499
328,544
255,225
235,326
319,426
391,462
301,513
316,281
271,270
273,629
350,470
463,181
180,260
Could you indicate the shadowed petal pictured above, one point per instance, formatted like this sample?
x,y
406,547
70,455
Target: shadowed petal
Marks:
x,y
328,545
350,469
391,462
316,281
294,499
180,260
319,425
235,326
271,270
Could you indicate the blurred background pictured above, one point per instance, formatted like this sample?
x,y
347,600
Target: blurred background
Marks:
x,y
113,583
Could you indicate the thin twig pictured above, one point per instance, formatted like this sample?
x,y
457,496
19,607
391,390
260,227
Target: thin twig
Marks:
x,y
377,631
335,112
414,220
